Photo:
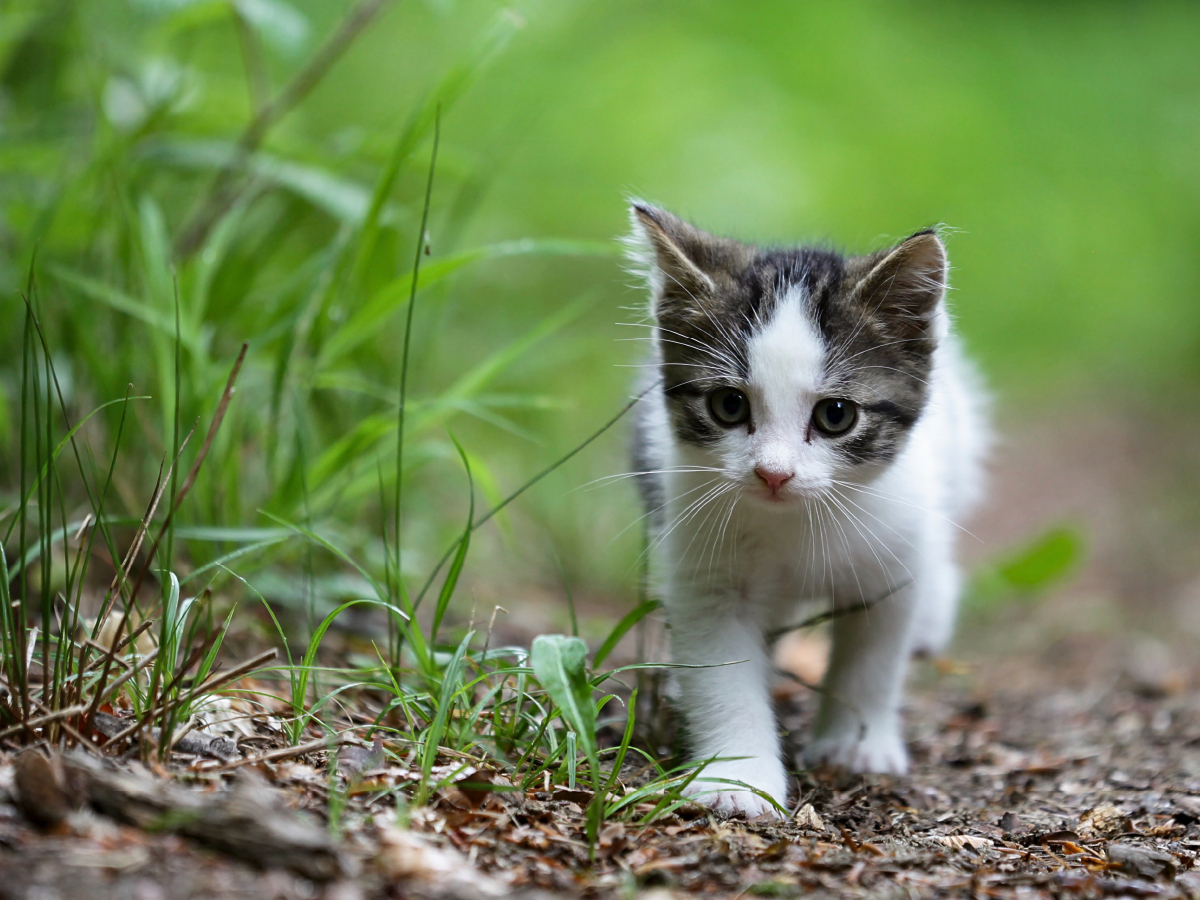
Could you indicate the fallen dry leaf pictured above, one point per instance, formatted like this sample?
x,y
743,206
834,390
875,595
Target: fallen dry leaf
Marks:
x,y
807,817
805,655
1103,822
405,856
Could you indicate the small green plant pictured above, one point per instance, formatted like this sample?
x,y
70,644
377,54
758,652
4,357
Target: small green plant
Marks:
x,y
1028,572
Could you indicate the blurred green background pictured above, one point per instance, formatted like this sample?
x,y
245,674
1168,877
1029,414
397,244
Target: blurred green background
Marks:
x,y
1059,141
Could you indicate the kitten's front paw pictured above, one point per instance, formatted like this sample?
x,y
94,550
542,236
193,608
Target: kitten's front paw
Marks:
x,y
731,800
878,748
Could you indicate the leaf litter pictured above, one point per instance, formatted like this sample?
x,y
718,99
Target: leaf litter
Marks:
x,y
1019,788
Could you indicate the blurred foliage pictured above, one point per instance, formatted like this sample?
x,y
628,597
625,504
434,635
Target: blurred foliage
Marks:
x,y
1058,139
1028,572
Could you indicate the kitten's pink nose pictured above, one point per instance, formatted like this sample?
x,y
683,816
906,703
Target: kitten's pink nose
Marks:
x,y
772,478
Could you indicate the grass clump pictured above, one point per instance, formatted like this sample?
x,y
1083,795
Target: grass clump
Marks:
x,y
238,281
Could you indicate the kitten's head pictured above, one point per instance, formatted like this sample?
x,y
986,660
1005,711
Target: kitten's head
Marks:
x,y
790,370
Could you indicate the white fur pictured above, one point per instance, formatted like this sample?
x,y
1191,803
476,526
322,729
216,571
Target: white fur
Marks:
x,y
733,563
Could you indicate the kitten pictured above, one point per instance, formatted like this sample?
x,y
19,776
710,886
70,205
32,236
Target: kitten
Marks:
x,y
815,435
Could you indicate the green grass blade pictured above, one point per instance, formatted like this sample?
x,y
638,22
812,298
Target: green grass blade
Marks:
x,y
626,740
460,556
116,299
58,449
437,728
627,622
365,323
380,591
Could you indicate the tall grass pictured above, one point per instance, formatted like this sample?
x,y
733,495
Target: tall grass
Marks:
x,y
220,421
157,215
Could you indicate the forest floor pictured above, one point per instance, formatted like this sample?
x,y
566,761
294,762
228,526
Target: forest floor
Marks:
x,y
1066,773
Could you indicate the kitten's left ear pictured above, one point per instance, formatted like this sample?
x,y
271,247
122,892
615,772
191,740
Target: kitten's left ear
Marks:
x,y
686,267
906,284
678,252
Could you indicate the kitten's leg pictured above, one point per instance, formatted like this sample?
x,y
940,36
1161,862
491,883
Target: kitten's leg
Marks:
x,y
858,724
937,608
728,709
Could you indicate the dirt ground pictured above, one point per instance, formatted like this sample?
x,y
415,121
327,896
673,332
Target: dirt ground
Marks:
x,y
1071,773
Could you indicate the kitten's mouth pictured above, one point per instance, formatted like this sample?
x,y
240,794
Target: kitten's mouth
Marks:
x,y
773,497
786,495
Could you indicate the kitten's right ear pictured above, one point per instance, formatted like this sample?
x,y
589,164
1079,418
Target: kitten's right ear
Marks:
x,y
906,284
673,254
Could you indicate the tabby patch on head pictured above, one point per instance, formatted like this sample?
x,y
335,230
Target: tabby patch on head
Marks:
x,y
790,368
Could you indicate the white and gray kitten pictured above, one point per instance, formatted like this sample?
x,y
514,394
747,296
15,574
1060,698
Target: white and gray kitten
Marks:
x,y
815,436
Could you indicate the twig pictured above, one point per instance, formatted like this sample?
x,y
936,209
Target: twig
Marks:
x,y
121,574
225,189
222,408
218,418
122,577
81,740
818,619
141,664
282,753
125,642
65,726
44,720
88,642
836,613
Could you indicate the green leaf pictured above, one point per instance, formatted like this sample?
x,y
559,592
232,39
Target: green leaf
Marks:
x,y
450,688
59,449
308,664
626,740
437,103
341,198
230,534
336,551
1045,561
245,550
1028,572
481,375
362,445
559,662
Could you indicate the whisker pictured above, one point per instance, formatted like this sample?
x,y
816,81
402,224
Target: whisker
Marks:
x,y
824,499
703,505
658,508
689,511
623,475
904,501
866,511
856,523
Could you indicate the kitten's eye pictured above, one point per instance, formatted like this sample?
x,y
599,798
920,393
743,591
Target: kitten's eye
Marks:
x,y
835,416
729,406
